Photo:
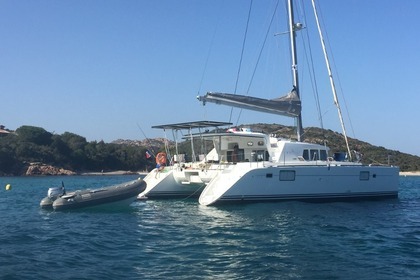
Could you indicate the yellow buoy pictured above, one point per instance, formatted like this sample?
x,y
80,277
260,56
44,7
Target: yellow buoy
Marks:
x,y
8,187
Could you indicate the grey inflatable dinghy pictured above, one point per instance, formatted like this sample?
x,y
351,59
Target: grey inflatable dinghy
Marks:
x,y
117,195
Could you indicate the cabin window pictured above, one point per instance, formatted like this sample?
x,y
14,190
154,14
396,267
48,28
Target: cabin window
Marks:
x,y
314,155
269,175
260,155
237,155
364,175
323,154
340,156
287,175
306,154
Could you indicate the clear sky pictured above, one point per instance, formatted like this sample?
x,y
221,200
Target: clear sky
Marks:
x,y
102,69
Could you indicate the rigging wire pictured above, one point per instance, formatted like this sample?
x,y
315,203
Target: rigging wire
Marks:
x,y
167,150
209,54
242,55
259,56
262,47
312,74
336,102
336,72
148,141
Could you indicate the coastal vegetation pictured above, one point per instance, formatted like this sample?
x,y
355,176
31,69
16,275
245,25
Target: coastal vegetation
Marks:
x,y
68,151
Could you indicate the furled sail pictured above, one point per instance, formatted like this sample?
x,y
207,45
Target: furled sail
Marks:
x,y
289,105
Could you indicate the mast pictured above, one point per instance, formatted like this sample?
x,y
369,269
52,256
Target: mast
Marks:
x,y
337,104
292,26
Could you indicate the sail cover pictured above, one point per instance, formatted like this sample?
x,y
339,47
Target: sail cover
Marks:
x,y
289,105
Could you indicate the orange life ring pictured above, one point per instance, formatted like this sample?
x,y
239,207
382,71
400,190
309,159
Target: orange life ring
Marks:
x,y
161,158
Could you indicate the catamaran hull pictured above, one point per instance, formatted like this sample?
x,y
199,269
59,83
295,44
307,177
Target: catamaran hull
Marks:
x,y
315,183
163,185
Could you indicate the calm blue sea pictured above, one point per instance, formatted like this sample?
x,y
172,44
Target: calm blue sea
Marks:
x,y
179,239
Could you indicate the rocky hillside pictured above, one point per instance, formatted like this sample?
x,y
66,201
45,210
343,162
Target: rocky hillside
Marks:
x,y
155,142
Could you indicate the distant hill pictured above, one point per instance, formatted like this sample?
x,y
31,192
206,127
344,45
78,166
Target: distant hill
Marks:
x,y
154,142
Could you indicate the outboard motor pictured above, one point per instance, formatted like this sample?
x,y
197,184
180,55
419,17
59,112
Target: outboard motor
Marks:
x,y
56,192
53,194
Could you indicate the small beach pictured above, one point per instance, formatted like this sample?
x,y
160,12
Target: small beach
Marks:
x,y
410,173
118,172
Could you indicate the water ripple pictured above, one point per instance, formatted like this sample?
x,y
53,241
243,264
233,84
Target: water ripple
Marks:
x,y
179,239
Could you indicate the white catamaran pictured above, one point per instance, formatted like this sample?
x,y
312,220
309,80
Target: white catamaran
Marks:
x,y
177,178
259,167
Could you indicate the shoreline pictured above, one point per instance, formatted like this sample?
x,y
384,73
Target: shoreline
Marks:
x,y
110,173
119,172
144,173
410,173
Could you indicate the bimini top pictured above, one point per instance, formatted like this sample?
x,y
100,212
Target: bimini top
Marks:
x,y
288,105
231,133
192,125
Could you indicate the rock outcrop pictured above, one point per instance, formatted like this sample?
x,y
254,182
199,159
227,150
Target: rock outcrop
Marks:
x,y
44,169
155,142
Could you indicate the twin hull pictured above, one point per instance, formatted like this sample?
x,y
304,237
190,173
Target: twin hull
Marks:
x,y
245,182
172,182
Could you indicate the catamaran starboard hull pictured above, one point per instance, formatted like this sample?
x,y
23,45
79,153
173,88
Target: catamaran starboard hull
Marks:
x,y
311,183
